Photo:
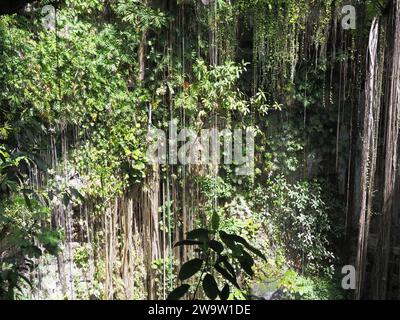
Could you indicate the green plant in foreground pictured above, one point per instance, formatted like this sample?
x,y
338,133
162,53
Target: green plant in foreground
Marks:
x,y
217,252
25,233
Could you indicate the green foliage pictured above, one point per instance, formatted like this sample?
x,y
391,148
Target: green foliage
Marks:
x,y
81,77
164,274
24,238
82,81
214,89
81,258
297,287
240,218
24,235
217,252
140,15
215,187
301,222
282,151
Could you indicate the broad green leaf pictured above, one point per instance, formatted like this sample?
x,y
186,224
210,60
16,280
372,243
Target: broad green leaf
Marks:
x,y
190,268
224,260
210,287
246,262
215,221
178,292
217,246
227,240
188,243
198,234
226,275
224,294
239,239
